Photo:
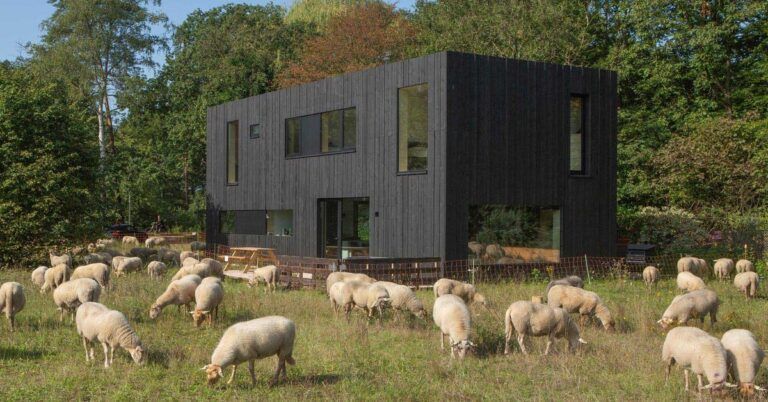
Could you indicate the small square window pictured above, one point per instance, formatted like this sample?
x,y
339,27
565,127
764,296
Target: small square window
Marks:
x,y
255,131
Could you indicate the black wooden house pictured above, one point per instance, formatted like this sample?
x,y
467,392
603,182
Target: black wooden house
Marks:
x,y
418,157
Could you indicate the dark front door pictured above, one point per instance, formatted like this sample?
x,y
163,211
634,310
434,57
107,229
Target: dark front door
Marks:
x,y
343,227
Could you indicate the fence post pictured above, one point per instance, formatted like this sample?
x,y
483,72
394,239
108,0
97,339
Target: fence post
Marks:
x,y
473,271
586,263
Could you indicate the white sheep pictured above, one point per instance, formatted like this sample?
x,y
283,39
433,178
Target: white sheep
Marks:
x,y
694,265
180,292
745,266
205,268
55,276
189,261
208,297
463,290
12,301
130,241
341,276
267,274
451,315
534,319
117,260
38,276
65,259
747,283
106,242
70,295
130,264
723,268
169,256
251,340
98,272
96,322
186,254
340,296
584,302
696,304
695,350
156,269
368,297
688,282
650,275
154,241
402,298
571,280
744,358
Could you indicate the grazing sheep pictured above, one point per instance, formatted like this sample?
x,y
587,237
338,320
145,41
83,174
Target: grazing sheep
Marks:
x,y
572,280
70,295
91,248
340,276
340,296
744,358
156,269
205,268
402,298
537,299
466,291
197,246
98,257
179,292
77,250
187,254
38,275
96,322
688,282
534,319
586,303
696,304
169,256
451,315
267,274
478,249
493,252
130,264
146,254
189,261
106,242
154,241
368,297
694,265
703,268
130,241
651,275
98,272
112,252
55,276
745,266
251,340
117,260
747,283
65,259
208,296
12,301
695,350
723,268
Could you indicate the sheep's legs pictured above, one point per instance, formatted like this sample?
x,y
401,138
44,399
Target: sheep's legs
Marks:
x,y
701,383
232,377
85,346
507,337
550,341
111,354
442,340
687,381
521,342
250,370
12,321
106,355
280,368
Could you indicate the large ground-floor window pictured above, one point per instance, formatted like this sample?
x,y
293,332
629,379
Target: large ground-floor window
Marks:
x,y
509,234
278,222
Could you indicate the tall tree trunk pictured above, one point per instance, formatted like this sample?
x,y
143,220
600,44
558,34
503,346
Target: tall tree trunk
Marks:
x,y
102,142
109,129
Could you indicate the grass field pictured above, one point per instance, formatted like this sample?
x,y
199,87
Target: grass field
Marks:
x,y
399,358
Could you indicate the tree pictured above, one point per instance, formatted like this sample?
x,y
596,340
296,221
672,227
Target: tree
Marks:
x,y
360,37
99,43
318,12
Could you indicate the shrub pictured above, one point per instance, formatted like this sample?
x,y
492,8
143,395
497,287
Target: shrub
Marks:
x,y
672,229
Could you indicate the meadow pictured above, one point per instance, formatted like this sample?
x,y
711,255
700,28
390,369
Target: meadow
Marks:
x,y
396,358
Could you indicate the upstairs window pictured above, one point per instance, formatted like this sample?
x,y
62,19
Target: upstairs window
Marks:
x,y
578,135
320,133
412,121
232,151
254,131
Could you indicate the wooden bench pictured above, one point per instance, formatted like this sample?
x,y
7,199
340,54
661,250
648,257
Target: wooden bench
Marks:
x,y
250,257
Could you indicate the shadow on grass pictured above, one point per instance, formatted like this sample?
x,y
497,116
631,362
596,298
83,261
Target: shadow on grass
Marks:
x,y
315,379
14,353
158,358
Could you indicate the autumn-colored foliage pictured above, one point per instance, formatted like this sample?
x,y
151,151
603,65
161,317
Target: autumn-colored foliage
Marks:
x,y
358,38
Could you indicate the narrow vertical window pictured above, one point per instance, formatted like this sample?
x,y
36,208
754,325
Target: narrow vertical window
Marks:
x,y
413,137
578,135
255,131
232,151
350,128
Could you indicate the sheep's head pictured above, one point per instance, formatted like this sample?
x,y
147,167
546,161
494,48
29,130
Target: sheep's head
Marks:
x,y
461,348
480,299
253,282
198,316
138,354
213,373
665,322
154,312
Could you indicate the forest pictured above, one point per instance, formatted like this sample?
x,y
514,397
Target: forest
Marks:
x,y
93,131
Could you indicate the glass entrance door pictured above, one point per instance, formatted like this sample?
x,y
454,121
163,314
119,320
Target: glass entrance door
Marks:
x,y
343,227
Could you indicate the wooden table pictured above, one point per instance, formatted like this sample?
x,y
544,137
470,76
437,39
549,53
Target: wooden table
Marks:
x,y
250,257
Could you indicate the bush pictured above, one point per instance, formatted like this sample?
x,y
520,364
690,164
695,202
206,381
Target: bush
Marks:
x,y
672,229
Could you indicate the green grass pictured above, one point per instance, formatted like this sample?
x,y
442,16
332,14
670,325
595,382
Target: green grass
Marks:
x,y
397,359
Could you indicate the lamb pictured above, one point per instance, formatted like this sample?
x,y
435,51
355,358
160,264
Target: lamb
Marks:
x,y
451,314
534,319
205,268
586,303
747,283
208,296
55,276
723,268
688,282
96,322
744,357
38,275
571,280
65,259
128,265
179,292
267,274
651,275
745,266
154,241
156,269
696,304
130,241
340,276
98,272
186,254
12,301
169,256
402,298
145,254
70,295
252,340
368,297
696,351
466,291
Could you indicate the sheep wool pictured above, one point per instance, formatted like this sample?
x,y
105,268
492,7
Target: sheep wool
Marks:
x,y
402,298
571,280
584,302
744,359
688,264
341,298
650,275
189,261
130,241
38,276
96,322
208,297
747,283
70,295
117,260
368,297
688,282
205,268
156,269
65,259
695,350
465,291
696,304
341,276
98,272
723,268
154,241
12,301
55,276
251,340
745,266
451,315
180,292
146,254
534,319
130,264
186,254
267,274
169,256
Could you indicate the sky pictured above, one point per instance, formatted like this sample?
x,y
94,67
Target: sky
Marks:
x,y
20,19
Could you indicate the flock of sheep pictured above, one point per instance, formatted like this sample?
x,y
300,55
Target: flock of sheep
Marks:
x,y
77,292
